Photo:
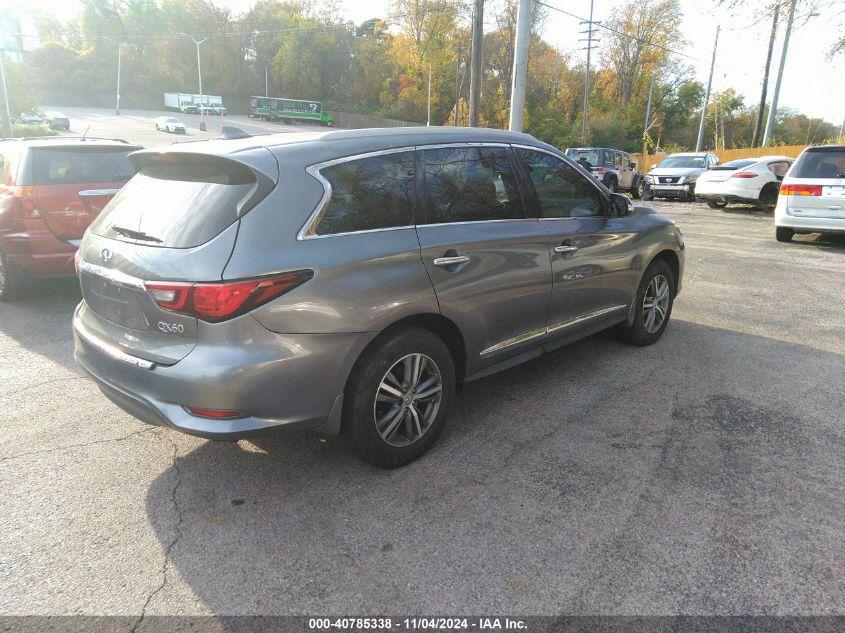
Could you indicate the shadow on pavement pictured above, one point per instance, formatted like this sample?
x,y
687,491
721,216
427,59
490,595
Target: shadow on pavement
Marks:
x,y
700,475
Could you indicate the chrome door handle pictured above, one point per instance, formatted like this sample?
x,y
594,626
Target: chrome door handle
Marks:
x,y
443,262
565,248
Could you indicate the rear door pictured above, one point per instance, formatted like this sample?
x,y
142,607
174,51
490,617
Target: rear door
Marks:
x,y
175,221
74,183
816,184
489,263
591,254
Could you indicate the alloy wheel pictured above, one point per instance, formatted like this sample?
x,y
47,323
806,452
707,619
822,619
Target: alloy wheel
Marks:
x,y
407,399
655,303
2,275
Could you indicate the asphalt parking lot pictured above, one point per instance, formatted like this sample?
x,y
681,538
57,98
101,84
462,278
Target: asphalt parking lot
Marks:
x,y
138,126
702,475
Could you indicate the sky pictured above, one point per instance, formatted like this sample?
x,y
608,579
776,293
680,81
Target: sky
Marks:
x,y
812,84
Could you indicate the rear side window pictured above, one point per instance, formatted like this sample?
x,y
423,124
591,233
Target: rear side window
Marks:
x,y
738,164
470,184
178,202
369,193
820,163
74,165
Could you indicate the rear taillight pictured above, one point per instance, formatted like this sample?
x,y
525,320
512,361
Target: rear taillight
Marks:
x,y
800,190
744,174
220,301
23,203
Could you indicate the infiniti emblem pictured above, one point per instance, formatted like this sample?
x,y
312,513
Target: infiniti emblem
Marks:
x,y
105,254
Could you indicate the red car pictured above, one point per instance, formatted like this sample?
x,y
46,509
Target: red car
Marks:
x,y
50,191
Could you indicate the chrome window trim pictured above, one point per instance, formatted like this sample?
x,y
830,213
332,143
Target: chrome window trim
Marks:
x,y
550,329
464,222
111,274
309,229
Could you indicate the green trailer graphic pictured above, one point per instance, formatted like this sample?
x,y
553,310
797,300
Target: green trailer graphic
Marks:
x,y
277,109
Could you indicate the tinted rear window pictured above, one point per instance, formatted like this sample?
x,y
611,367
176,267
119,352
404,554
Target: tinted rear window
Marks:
x,y
820,163
737,164
182,201
76,165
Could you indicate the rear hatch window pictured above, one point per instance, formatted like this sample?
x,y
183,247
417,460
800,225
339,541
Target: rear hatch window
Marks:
x,y
82,165
179,201
735,164
820,163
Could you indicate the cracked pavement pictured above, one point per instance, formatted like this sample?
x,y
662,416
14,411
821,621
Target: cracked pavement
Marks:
x,y
702,475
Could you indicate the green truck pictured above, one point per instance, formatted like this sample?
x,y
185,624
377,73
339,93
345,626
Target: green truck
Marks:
x,y
288,110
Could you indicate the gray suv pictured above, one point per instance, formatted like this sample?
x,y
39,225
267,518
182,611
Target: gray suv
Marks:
x,y
346,281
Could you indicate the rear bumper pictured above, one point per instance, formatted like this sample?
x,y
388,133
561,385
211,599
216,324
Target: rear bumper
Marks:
x,y
784,217
727,197
279,381
39,253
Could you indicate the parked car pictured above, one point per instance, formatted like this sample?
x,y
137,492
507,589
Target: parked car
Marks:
x,y
352,292
170,124
51,190
812,195
57,121
676,175
612,167
33,117
748,180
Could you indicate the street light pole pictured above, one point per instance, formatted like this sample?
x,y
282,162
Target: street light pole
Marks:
x,y
770,121
199,76
707,94
117,94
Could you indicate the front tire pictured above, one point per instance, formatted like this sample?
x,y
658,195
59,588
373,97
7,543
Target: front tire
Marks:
x,y
654,301
638,190
784,234
715,204
398,397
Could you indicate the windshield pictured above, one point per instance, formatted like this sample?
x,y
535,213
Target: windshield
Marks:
x,y
689,162
178,203
592,155
172,120
820,163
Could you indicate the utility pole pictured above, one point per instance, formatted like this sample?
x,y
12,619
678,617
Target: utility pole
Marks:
x,y
758,123
707,95
6,92
589,41
475,61
460,67
199,76
645,125
770,121
520,67
428,101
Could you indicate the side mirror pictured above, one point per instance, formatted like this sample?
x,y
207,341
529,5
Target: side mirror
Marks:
x,y
632,165
622,205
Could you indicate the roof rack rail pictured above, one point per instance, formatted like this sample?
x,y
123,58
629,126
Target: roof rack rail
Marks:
x,y
62,138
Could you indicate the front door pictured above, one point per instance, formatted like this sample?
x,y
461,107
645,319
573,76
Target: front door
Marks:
x,y
593,272
488,262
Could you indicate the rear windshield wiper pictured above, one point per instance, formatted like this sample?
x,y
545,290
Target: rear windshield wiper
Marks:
x,y
135,235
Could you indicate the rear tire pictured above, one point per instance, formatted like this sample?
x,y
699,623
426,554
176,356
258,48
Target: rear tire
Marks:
x,y
654,301
611,185
385,420
783,234
769,196
9,280
714,204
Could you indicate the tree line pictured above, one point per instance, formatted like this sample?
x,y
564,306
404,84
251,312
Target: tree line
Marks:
x,y
306,50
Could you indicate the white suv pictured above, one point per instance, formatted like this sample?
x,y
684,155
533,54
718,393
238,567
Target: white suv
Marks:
x,y
812,196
